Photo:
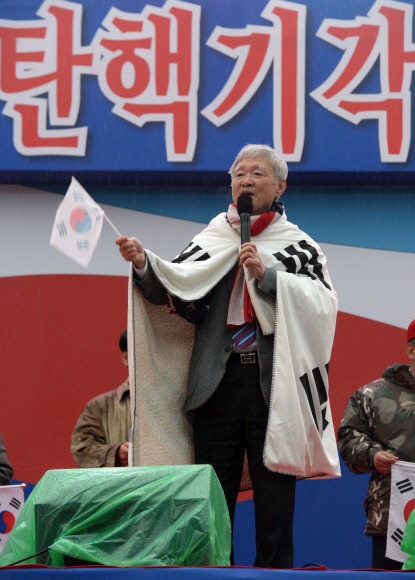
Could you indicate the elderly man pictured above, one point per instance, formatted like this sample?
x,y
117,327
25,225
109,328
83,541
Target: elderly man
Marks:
x,y
101,435
239,368
378,429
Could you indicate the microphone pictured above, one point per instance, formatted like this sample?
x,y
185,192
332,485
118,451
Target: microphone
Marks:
x,y
245,207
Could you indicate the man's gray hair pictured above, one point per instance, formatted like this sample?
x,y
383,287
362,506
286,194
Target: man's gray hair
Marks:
x,y
277,162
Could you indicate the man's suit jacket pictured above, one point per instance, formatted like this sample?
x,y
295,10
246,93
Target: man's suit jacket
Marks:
x,y
213,339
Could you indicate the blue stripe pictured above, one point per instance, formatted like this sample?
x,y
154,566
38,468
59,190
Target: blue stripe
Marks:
x,y
246,338
241,330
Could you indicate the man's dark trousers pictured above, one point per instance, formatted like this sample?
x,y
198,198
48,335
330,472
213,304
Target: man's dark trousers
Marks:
x,y
232,420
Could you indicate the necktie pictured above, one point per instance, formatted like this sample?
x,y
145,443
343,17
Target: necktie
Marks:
x,y
244,335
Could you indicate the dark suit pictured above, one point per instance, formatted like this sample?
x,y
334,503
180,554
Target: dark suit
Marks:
x,y
213,340
230,401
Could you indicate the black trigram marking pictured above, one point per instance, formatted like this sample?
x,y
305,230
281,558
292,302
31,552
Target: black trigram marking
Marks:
x,y
82,245
397,536
78,196
62,229
186,255
298,262
404,485
322,395
15,503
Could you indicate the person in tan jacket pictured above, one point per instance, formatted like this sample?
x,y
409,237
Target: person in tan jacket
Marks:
x,y
101,434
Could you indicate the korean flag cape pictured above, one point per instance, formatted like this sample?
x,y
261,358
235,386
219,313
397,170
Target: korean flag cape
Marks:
x,y
300,436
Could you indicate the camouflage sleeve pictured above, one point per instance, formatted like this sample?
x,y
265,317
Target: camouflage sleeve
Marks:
x,y
354,436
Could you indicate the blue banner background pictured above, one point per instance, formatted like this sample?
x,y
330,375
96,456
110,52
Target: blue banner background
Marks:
x,y
331,144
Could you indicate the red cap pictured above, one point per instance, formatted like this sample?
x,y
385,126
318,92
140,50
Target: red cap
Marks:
x,y
411,331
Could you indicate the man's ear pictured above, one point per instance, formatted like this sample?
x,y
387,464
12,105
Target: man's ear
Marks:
x,y
124,358
281,187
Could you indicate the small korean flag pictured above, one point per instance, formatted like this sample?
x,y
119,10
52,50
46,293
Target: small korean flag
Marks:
x,y
401,506
11,502
78,225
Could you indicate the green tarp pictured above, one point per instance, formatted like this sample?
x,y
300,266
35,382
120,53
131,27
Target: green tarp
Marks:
x,y
408,543
134,516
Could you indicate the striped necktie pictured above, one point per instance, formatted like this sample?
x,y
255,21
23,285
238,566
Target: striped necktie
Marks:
x,y
244,335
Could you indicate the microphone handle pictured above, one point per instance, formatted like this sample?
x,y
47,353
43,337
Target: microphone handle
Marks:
x,y
245,227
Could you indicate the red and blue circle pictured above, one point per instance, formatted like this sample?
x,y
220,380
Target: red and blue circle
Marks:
x,y
80,221
7,520
408,509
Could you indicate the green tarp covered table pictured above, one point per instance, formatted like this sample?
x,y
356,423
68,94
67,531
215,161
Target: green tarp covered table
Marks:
x,y
134,516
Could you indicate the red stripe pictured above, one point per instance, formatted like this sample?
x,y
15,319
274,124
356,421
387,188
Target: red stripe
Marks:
x,y
262,222
248,310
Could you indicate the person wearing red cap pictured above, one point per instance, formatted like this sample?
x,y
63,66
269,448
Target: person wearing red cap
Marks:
x,y
411,335
377,429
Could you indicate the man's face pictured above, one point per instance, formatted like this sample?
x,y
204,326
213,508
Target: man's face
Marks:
x,y
410,351
256,177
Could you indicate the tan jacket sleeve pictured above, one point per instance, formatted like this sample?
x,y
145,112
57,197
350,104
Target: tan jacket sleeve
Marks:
x,y
88,446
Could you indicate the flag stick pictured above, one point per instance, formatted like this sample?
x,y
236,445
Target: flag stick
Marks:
x,y
112,225
9,486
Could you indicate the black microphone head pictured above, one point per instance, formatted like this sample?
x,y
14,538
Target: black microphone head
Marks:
x,y
244,204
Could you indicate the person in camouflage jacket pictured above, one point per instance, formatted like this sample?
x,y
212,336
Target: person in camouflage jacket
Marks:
x,y
377,429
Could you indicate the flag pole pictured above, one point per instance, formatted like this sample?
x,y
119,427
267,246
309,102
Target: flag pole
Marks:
x,y
112,225
23,485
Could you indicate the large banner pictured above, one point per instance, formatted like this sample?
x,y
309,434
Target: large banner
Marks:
x,y
179,85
